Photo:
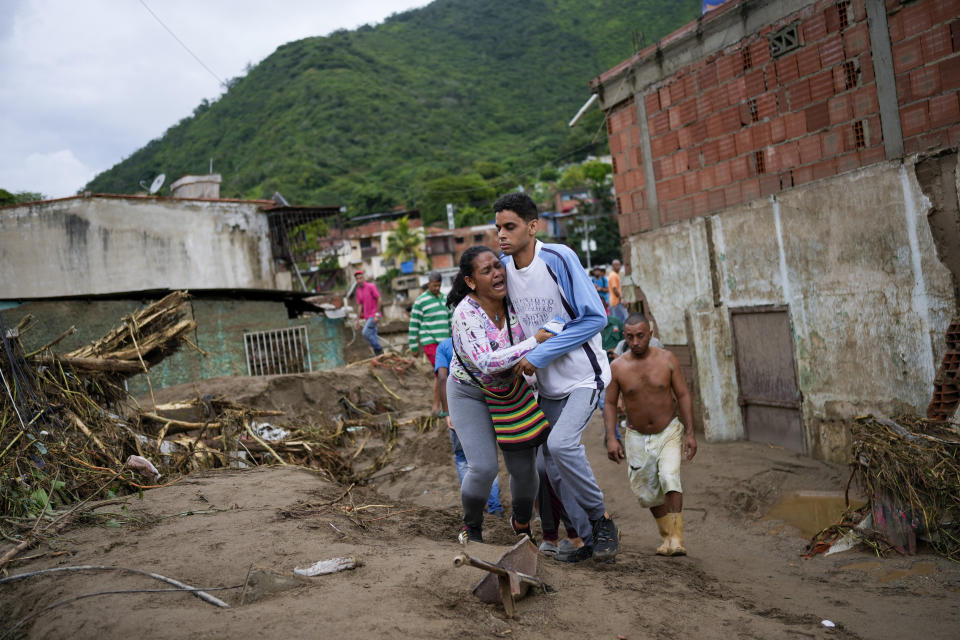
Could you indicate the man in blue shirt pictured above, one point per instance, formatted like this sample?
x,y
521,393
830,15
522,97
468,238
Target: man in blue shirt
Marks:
x,y
602,284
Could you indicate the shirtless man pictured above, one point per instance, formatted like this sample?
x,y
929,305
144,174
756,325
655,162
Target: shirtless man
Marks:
x,y
653,388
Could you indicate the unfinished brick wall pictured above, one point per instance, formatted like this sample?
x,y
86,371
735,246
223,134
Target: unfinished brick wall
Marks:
x,y
925,36
741,124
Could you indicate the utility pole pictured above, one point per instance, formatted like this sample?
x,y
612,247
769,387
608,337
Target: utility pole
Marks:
x,y
586,238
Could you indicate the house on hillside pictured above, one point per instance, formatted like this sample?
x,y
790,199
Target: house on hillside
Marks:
x,y
446,246
557,224
786,180
90,260
569,200
366,243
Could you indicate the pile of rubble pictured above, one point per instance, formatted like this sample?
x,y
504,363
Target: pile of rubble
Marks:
x,y
909,470
70,434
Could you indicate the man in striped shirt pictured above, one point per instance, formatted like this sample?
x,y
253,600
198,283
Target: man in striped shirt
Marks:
x,y
430,325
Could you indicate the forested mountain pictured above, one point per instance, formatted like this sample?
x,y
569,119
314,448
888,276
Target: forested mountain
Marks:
x,y
457,101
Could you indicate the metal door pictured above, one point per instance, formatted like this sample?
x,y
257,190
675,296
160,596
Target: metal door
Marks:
x,y
767,376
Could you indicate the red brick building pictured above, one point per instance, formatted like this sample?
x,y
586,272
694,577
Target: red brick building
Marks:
x,y
786,176
737,124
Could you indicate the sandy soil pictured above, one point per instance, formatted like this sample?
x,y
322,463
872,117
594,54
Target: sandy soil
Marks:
x,y
744,578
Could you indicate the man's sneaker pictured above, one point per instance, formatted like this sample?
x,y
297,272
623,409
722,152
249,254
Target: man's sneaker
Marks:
x,y
606,540
547,548
565,546
578,554
470,534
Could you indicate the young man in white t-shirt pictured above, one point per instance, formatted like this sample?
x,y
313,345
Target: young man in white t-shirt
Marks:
x,y
547,281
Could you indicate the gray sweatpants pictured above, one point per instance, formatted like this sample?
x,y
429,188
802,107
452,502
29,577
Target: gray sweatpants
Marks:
x,y
566,458
471,420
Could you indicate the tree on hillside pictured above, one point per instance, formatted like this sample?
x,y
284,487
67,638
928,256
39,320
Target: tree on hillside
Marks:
x,y
574,176
604,229
405,243
21,196
468,216
461,191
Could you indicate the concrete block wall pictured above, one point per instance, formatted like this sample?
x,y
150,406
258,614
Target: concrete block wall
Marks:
x,y
735,124
868,298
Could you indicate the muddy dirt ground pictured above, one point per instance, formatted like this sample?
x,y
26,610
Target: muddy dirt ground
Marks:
x,y
745,576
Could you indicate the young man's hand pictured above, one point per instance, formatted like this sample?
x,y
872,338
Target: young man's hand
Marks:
x,y
690,445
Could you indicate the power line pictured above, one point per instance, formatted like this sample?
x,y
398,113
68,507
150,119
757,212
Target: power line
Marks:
x,y
170,31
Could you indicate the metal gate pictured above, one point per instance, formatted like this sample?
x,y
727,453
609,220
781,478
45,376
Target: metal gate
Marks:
x,y
767,376
278,351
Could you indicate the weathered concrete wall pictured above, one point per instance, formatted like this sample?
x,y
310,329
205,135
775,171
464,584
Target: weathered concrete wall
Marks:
x,y
220,328
853,258
111,244
221,324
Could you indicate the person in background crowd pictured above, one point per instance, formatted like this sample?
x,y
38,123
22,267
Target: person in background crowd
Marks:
x,y
430,325
369,310
602,285
616,295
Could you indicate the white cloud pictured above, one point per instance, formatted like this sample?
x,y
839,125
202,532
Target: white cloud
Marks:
x,y
54,174
85,84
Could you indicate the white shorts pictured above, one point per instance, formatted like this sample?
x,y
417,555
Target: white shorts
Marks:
x,y
654,462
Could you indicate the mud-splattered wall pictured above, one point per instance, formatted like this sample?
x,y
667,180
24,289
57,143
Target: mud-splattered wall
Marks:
x,y
105,244
853,260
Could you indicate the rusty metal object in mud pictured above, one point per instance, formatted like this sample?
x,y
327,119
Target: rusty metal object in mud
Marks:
x,y
509,579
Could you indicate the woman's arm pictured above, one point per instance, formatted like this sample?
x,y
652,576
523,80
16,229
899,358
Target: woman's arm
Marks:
x,y
469,325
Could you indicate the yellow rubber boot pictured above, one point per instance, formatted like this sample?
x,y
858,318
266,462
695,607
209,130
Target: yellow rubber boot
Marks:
x,y
663,525
676,539
671,529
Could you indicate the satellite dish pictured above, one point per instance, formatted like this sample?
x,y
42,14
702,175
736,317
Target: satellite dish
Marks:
x,y
157,183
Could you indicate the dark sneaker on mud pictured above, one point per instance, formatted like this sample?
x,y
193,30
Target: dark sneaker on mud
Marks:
x,y
576,555
470,534
606,540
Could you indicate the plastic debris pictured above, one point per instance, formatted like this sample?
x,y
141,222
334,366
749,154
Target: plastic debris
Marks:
x,y
269,432
144,466
333,565
827,623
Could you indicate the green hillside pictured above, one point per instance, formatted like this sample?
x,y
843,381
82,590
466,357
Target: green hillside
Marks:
x,y
456,101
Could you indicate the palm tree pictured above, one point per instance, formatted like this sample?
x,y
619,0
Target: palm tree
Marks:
x,y
405,243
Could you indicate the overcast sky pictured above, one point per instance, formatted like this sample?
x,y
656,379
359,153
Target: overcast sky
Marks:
x,y
85,83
